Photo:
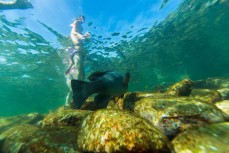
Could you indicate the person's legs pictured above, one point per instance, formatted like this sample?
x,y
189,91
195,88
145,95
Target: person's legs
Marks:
x,y
69,95
75,73
79,67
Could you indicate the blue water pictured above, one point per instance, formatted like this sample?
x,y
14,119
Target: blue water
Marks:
x,y
158,42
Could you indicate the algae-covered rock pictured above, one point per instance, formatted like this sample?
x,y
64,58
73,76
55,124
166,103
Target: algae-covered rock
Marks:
x,y
212,83
127,102
224,106
31,139
206,95
120,131
172,115
182,88
8,122
213,138
54,140
224,93
17,138
65,117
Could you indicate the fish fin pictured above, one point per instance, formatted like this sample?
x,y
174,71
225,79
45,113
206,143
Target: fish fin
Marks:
x,y
102,99
126,79
80,91
122,96
95,75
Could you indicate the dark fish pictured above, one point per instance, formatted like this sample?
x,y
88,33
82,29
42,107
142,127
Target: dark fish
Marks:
x,y
115,34
106,84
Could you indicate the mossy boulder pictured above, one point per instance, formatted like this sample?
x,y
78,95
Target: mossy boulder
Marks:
x,y
8,122
224,92
173,115
120,131
206,95
224,106
15,139
182,88
65,117
213,138
127,102
28,138
212,83
54,140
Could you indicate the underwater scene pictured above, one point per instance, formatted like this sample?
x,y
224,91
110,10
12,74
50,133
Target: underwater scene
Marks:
x,y
114,76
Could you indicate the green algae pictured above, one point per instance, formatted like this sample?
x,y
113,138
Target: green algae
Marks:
x,y
212,138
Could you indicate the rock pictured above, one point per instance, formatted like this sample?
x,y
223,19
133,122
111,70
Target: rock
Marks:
x,y
224,93
213,138
129,99
8,122
224,106
16,138
65,117
173,115
54,140
120,131
206,95
212,83
182,88
29,138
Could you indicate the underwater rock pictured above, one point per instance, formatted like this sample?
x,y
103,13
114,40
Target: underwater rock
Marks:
x,y
29,138
212,138
182,88
206,95
16,138
90,105
120,131
9,122
224,93
224,106
65,117
15,4
127,102
212,83
54,140
173,115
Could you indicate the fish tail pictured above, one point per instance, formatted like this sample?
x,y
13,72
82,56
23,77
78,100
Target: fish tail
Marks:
x,y
81,91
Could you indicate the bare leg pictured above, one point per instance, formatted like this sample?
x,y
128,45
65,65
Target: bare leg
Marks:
x,y
69,69
69,96
78,73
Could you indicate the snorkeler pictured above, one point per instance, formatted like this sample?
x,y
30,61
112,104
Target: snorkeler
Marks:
x,y
77,55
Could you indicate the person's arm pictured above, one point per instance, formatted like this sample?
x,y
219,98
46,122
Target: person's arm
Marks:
x,y
80,36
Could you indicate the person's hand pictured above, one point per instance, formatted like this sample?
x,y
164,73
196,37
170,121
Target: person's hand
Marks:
x,y
87,35
73,23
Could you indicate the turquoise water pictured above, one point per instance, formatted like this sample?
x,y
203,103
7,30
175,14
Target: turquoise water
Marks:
x,y
158,42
